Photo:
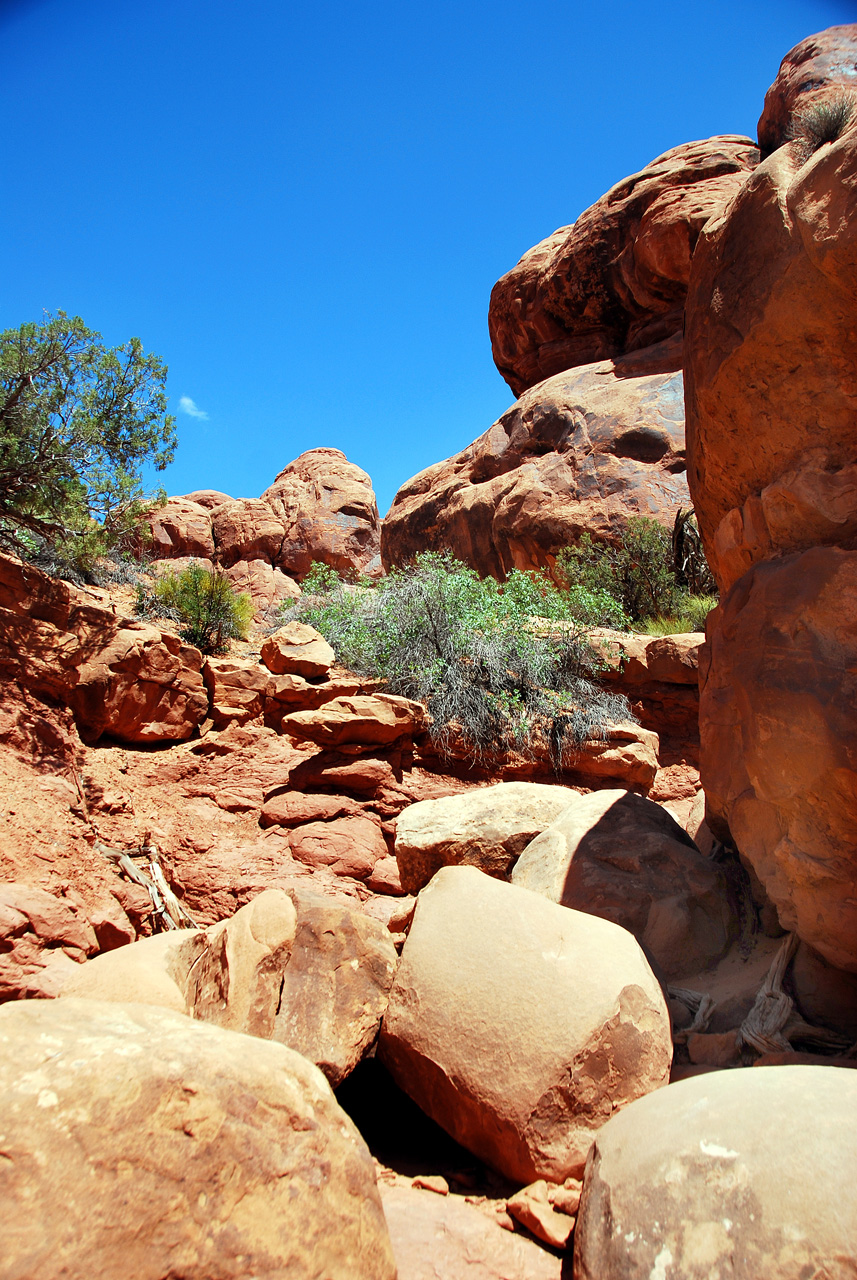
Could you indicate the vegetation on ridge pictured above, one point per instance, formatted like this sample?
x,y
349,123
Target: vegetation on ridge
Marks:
x,y
503,666
202,602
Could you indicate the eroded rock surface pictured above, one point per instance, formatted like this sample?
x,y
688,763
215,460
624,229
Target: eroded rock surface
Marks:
x,y
820,67
580,452
615,280
147,1144
520,1026
738,1173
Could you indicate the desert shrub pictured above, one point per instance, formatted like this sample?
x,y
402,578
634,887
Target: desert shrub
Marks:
x,y
638,571
821,121
503,666
202,603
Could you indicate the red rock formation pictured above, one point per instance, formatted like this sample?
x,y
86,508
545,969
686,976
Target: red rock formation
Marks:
x,y
615,281
328,508
584,450
811,70
770,361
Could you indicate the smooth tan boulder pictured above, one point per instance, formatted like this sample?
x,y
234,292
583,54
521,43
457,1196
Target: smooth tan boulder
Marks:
x,y
486,828
624,858
745,1174
779,739
297,649
229,974
521,1026
138,1142
335,985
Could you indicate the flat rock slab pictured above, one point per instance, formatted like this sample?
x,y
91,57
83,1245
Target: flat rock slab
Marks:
x,y
442,1238
738,1174
138,1142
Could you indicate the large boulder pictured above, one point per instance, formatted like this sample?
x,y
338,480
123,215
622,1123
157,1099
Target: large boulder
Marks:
x,y
328,508
307,972
521,1026
737,1173
819,67
297,649
486,828
580,452
335,985
365,719
181,527
44,940
144,1143
770,361
247,529
624,858
779,741
615,281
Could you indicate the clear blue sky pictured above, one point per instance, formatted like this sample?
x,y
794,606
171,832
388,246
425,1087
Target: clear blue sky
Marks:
x,y
303,208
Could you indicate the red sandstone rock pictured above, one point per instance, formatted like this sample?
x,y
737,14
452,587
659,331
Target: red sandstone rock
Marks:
x,y
370,720
350,846
181,527
247,529
770,362
329,513
265,585
43,939
237,688
779,741
208,498
297,649
615,281
581,452
819,67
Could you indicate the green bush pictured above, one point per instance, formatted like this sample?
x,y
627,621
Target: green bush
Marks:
x,y
208,611
638,572
690,614
505,666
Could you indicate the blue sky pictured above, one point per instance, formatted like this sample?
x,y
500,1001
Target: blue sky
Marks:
x,y
303,208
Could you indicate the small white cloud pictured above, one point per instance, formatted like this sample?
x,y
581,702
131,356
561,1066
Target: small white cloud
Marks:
x,y
188,406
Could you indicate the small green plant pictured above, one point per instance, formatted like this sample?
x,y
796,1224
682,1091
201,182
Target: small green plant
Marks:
x,y
503,666
822,121
208,611
690,614
638,571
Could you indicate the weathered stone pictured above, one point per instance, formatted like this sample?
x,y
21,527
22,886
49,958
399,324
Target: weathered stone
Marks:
x,y
181,527
266,585
328,509
531,1207
43,941
146,1144
237,689
771,306
335,985
298,650
349,846
616,280
487,828
820,67
247,529
581,452
617,855
779,740
521,1026
370,720
734,1173
628,755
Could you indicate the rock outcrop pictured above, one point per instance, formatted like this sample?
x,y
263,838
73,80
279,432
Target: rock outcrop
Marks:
x,y
615,280
772,457
320,507
521,1026
487,828
822,66
619,856
581,452
146,1144
779,741
316,979
772,467
739,1173
122,678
